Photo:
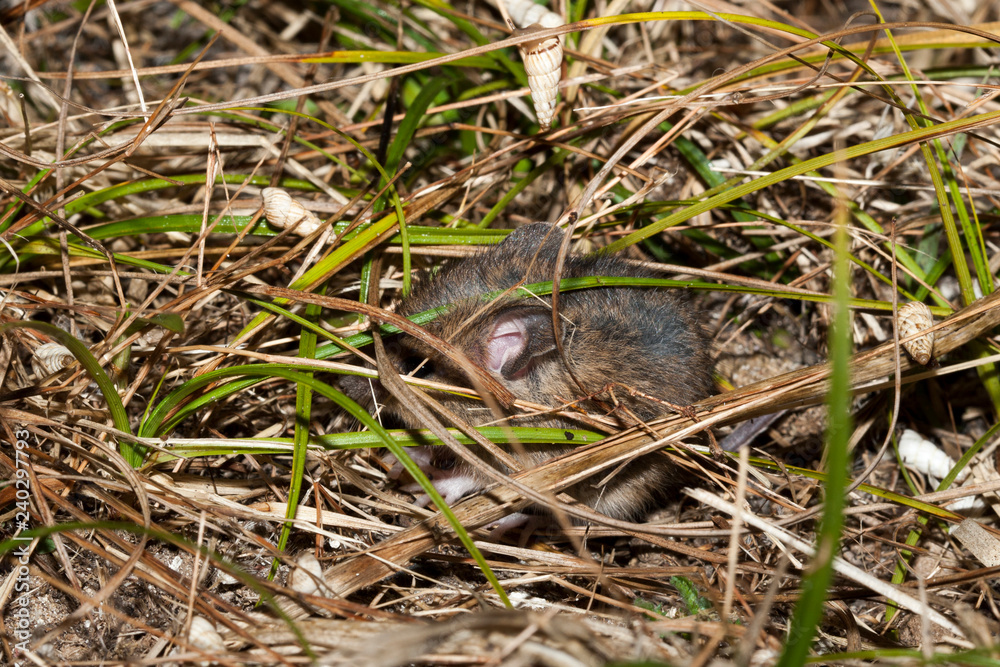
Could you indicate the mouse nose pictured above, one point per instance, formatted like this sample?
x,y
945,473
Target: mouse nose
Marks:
x,y
417,366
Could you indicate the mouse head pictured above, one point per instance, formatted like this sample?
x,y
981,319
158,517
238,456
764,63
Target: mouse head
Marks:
x,y
640,338
496,327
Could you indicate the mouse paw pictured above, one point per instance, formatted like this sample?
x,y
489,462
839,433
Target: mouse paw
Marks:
x,y
525,525
453,484
422,456
452,487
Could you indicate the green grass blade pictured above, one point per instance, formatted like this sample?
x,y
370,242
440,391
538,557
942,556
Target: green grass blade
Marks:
x,y
303,413
809,610
821,161
132,452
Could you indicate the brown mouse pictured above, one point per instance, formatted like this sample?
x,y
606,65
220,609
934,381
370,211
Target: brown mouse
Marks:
x,y
614,338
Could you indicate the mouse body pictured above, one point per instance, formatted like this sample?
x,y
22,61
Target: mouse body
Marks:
x,y
629,352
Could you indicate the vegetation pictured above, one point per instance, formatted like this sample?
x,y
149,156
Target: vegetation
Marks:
x,y
800,172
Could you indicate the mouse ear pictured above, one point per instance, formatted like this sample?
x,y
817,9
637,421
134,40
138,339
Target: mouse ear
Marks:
x,y
519,337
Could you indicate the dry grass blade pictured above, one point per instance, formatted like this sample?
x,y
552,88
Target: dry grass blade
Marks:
x,y
843,568
790,390
806,386
715,150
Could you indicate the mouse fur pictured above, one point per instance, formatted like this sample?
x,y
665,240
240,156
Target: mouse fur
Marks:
x,y
644,339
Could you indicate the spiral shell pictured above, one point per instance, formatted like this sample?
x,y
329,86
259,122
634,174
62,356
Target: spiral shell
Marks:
x,y
925,457
526,12
307,575
543,65
204,636
281,210
51,358
914,317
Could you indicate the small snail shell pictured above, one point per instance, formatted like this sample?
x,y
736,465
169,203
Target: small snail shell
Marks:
x,y
543,65
914,317
281,210
51,358
526,12
925,457
204,635
307,575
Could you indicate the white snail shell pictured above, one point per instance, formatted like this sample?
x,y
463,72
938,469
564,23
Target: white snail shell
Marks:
x,y
543,65
526,12
204,635
307,574
915,317
281,210
51,358
925,457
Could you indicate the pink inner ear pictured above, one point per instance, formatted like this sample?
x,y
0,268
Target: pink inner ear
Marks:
x,y
507,341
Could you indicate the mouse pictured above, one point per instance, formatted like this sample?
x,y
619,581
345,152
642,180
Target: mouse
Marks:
x,y
630,354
